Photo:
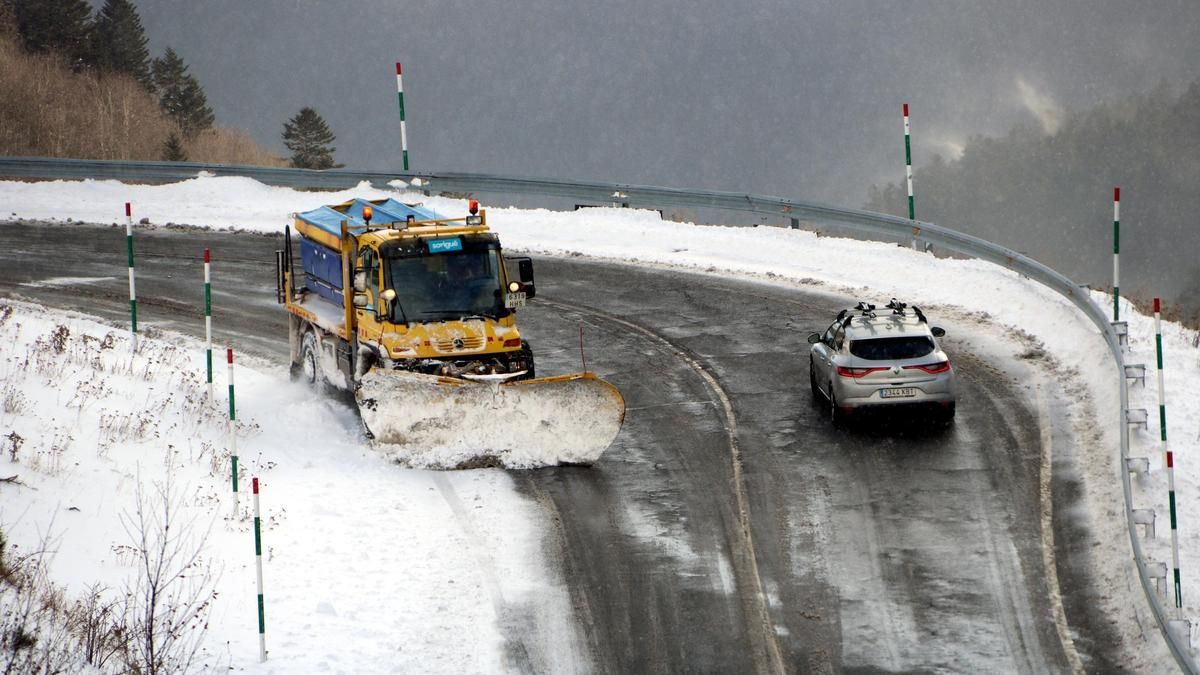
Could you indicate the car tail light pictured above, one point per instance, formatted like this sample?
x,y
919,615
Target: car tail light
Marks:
x,y
932,368
856,373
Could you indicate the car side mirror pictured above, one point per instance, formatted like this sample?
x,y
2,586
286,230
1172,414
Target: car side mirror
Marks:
x,y
937,332
814,338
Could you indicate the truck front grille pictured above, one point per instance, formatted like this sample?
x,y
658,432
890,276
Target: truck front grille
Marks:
x,y
468,343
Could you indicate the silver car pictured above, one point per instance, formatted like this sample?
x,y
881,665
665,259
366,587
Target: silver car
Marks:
x,y
881,358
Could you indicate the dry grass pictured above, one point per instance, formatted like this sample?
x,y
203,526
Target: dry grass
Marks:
x,y
47,110
230,146
1187,316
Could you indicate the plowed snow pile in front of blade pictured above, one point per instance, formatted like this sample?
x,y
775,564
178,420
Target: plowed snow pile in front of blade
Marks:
x,y
440,422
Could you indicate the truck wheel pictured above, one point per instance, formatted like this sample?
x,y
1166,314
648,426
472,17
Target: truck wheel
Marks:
x,y
310,361
527,354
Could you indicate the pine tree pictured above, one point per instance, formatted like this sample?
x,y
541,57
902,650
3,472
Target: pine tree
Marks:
x,y
173,149
59,26
309,138
180,95
120,42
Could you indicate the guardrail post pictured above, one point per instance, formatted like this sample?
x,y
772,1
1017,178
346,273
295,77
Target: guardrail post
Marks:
x,y
1137,465
1145,517
1121,328
1157,572
1137,417
1135,373
1182,628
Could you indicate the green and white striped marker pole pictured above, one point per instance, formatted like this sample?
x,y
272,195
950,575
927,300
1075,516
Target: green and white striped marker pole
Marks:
x,y
1116,253
1169,459
403,131
912,210
132,286
233,433
262,619
208,321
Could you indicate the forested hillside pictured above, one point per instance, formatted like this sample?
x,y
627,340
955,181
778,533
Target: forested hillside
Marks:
x,y
73,85
1050,195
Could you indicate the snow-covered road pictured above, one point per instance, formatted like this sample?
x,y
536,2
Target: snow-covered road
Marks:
x,y
968,290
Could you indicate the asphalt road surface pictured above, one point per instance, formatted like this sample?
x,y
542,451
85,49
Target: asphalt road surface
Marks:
x,y
730,528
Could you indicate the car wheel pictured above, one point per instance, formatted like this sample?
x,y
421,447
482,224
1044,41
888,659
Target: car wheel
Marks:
x,y
835,413
812,381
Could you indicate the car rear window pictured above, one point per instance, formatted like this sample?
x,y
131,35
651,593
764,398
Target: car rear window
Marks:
x,y
891,348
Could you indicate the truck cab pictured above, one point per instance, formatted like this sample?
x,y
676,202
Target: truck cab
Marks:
x,y
427,294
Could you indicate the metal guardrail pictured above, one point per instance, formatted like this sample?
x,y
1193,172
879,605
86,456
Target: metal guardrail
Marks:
x,y
657,197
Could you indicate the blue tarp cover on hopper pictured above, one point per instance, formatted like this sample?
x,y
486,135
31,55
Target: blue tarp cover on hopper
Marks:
x,y
386,211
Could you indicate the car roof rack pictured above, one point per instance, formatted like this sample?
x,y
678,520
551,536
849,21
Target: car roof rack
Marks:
x,y
867,310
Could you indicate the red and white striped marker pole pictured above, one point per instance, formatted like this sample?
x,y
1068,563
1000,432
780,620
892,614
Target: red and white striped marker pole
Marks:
x,y
262,620
132,287
1169,459
1116,253
233,433
208,321
912,211
403,131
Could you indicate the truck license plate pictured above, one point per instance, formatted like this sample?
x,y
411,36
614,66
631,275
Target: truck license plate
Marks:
x,y
514,300
898,392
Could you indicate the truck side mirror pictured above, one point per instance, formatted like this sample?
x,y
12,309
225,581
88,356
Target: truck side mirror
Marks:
x,y
360,281
525,271
360,299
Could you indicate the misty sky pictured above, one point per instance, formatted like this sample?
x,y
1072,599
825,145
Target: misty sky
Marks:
x,y
792,98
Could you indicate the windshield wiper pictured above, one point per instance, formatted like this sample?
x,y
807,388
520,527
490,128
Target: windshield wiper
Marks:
x,y
461,314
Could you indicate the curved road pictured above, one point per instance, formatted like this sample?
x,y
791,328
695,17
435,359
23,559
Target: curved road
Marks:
x,y
729,528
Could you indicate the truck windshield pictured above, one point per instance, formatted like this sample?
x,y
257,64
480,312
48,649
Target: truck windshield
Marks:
x,y
446,286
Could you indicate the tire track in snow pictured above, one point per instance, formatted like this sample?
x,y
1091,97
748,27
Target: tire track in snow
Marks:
x,y
516,648
768,655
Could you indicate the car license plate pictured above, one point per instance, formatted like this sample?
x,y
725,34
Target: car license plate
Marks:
x,y
514,300
898,392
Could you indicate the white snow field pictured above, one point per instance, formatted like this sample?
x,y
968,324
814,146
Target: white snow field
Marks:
x,y
373,567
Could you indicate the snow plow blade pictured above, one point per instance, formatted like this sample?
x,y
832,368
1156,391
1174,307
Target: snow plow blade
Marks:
x,y
444,422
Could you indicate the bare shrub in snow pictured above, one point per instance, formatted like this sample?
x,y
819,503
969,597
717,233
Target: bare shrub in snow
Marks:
x,y
33,635
97,623
12,399
14,445
167,610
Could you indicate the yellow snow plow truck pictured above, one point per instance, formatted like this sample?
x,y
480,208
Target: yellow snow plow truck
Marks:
x,y
415,315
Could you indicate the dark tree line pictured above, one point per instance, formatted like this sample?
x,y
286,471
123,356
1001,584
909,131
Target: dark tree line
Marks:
x,y
1050,195
114,41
